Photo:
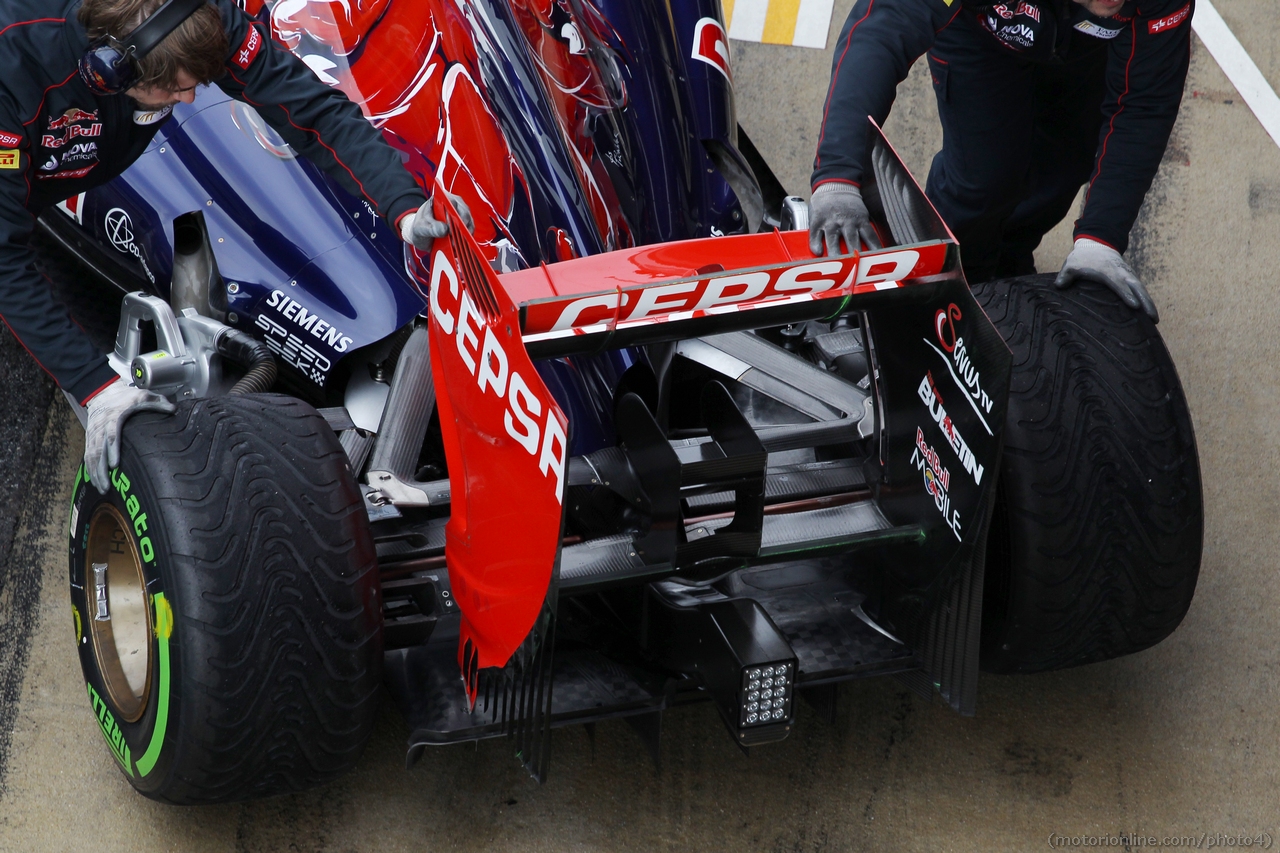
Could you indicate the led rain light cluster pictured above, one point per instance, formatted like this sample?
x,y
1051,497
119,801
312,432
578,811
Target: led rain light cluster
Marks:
x,y
766,694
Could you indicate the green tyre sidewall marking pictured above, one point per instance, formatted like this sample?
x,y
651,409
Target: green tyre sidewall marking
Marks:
x,y
139,748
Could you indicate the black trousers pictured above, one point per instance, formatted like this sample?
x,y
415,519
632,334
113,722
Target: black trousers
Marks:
x,y
1018,141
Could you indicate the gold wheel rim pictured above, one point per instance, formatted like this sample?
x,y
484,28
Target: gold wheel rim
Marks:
x,y
119,617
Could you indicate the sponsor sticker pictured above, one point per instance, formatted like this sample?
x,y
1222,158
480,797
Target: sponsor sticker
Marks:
x,y
248,49
1019,34
566,315
74,123
146,117
1169,22
73,207
308,321
294,351
937,480
10,140
711,45
119,228
1089,28
75,115
932,400
955,355
70,173
456,314
81,151
9,158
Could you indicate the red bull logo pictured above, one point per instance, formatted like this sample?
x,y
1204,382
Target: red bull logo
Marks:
x,y
72,116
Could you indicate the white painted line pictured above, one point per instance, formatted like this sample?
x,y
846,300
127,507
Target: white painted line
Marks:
x,y
1238,66
813,22
748,20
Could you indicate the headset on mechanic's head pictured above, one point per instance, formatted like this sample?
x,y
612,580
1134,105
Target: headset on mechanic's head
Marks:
x,y
111,64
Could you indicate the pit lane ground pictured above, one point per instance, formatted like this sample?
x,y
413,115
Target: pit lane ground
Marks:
x,y
1181,740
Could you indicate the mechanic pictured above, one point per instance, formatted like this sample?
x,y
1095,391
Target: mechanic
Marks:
x,y
77,108
1036,97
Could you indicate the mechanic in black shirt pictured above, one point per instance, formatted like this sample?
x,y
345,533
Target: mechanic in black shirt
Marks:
x,y
65,128
1036,98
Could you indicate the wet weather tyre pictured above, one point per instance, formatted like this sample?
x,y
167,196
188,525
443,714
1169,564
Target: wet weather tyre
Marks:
x,y
226,602
1094,548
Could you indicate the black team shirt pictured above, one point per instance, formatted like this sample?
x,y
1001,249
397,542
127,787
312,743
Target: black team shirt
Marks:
x,y
1149,45
58,139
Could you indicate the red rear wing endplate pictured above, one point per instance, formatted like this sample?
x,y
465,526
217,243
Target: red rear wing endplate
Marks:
x,y
506,442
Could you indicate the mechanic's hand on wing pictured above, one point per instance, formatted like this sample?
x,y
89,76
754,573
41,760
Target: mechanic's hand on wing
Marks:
x,y
836,210
107,413
419,228
1098,262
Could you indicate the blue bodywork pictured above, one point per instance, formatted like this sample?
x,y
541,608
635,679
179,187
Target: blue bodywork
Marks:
x,y
291,239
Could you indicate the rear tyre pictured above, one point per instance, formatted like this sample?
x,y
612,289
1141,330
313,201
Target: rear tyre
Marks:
x,y
226,602
1094,548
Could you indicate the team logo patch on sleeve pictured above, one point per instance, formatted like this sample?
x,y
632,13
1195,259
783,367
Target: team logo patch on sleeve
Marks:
x,y
8,158
1169,22
1089,28
10,140
248,49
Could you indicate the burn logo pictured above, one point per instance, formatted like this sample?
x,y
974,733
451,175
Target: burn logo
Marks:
x,y
932,400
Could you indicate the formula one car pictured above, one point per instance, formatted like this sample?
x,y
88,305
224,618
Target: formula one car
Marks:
x,y
626,446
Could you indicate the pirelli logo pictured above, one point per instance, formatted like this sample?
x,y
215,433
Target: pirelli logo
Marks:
x,y
8,158
1169,22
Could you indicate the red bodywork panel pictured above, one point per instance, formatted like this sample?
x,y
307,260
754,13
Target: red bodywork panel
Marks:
x,y
506,442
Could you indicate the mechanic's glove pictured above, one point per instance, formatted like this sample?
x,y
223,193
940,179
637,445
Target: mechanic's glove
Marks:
x,y
1098,262
836,210
107,413
419,228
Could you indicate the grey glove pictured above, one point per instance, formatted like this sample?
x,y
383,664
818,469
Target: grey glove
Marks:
x,y
836,210
1101,263
419,228
107,413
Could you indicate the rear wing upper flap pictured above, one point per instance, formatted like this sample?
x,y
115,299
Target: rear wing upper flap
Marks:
x,y
708,286
721,284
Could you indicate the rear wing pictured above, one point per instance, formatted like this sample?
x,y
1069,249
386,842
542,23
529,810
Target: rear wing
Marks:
x,y
507,441
726,284
701,287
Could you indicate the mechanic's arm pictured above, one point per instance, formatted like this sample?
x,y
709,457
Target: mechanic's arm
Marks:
x,y
27,304
41,324
879,42
1145,76
319,121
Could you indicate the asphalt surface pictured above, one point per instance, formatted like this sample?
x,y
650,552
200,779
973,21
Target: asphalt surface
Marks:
x,y
1179,742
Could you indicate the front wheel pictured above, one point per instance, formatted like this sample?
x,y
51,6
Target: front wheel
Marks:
x,y
1094,547
226,603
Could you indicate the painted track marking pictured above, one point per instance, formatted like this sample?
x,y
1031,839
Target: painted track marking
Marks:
x,y
801,23
1238,66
